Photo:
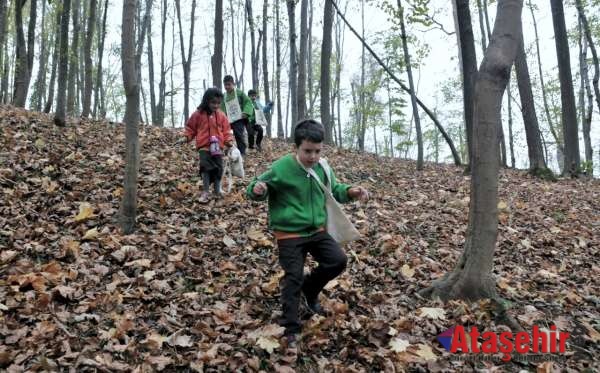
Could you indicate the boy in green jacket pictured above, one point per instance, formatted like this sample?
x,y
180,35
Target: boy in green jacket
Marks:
x,y
298,218
239,110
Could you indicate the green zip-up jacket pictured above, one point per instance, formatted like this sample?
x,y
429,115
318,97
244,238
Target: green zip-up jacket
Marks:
x,y
243,99
296,201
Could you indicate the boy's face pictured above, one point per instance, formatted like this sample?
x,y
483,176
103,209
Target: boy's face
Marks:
x,y
228,86
253,97
309,153
215,104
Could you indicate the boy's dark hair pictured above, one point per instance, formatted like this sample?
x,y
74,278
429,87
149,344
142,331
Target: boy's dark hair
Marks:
x,y
309,130
252,92
228,78
209,95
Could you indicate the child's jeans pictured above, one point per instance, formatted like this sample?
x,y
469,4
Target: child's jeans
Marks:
x,y
292,254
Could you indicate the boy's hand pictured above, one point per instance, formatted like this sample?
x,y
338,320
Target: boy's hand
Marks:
x,y
259,189
358,193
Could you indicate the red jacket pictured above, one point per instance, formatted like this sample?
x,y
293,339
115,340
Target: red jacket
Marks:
x,y
202,126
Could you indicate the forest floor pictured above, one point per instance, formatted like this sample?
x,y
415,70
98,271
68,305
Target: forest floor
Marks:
x,y
196,287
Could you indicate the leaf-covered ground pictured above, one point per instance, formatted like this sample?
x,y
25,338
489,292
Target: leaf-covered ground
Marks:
x,y
196,287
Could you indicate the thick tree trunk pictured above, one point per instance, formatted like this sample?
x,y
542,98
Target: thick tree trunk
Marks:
x,y
265,65
537,164
569,112
73,61
472,277
132,94
413,95
469,67
291,6
280,132
55,63
186,61
24,52
302,59
216,59
326,71
63,67
40,82
99,86
91,29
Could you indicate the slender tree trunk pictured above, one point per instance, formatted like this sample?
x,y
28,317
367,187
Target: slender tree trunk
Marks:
x,y
326,71
132,94
240,80
99,86
537,164
592,46
280,131
55,63
40,82
362,112
186,61
309,61
585,92
3,50
265,64
413,95
73,61
233,41
172,107
291,6
338,72
160,108
24,53
254,52
302,60
216,59
469,67
481,26
59,116
510,127
389,93
87,92
472,277
569,112
150,59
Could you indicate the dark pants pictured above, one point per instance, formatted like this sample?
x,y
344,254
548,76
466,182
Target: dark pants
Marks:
x,y
255,129
292,254
238,131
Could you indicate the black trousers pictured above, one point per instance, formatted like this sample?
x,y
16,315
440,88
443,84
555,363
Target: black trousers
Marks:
x,y
255,129
292,254
238,132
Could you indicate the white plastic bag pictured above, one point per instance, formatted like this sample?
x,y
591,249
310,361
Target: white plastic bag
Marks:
x,y
237,163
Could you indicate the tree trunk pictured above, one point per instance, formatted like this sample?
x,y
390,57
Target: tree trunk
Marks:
x,y
537,164
132,94
99,87
160,108
24,53
338,79
592,46
63,67
55,63
280,131
481,26
472,277
265,65
73,61
240,80
469,67
389,94
309,61
233,41
302,60
254,52
87,91
186,62
586,113
569,112
216,59
431,115
143,24
150,59
3,49
40,82
510,126
326,71
291,6
413,96
362,116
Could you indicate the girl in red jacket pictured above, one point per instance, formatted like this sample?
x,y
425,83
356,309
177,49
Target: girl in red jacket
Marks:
x,y
210,127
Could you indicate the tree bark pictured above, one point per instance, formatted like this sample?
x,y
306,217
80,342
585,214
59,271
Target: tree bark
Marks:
x,y
537,164
160,108
254,52
3,49
361,99
99,87
569,111
59,115
592,46
216,59
132,94
510,126
91,29
24,52
186,61
309,61
55,63
150,58
73,61
235,74
265,64
411,85
472,277
326,71
40,82
469,67
302,60
291,6
481,26
280,132
586,113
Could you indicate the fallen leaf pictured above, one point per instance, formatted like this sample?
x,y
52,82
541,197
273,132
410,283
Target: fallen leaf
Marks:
x,y
90,235
268,344
399,345
407,272
229,242
86,211
180,340
141,263
432,313
424,351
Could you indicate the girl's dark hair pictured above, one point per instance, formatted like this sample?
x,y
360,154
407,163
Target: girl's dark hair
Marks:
x,y
209,95
309,130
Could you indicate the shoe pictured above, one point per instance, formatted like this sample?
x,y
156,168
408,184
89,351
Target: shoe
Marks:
x,y
314,306
292,340
204,197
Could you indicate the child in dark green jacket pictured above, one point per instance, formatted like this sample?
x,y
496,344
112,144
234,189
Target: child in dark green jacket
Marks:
x,y
298,218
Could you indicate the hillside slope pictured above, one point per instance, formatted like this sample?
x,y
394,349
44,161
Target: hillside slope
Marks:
x,y
197,285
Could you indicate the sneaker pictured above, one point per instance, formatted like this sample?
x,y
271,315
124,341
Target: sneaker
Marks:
x,y
314,306
204,197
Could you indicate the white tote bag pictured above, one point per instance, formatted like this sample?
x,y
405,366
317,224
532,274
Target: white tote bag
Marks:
x,y
234,111
338,225
260,118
